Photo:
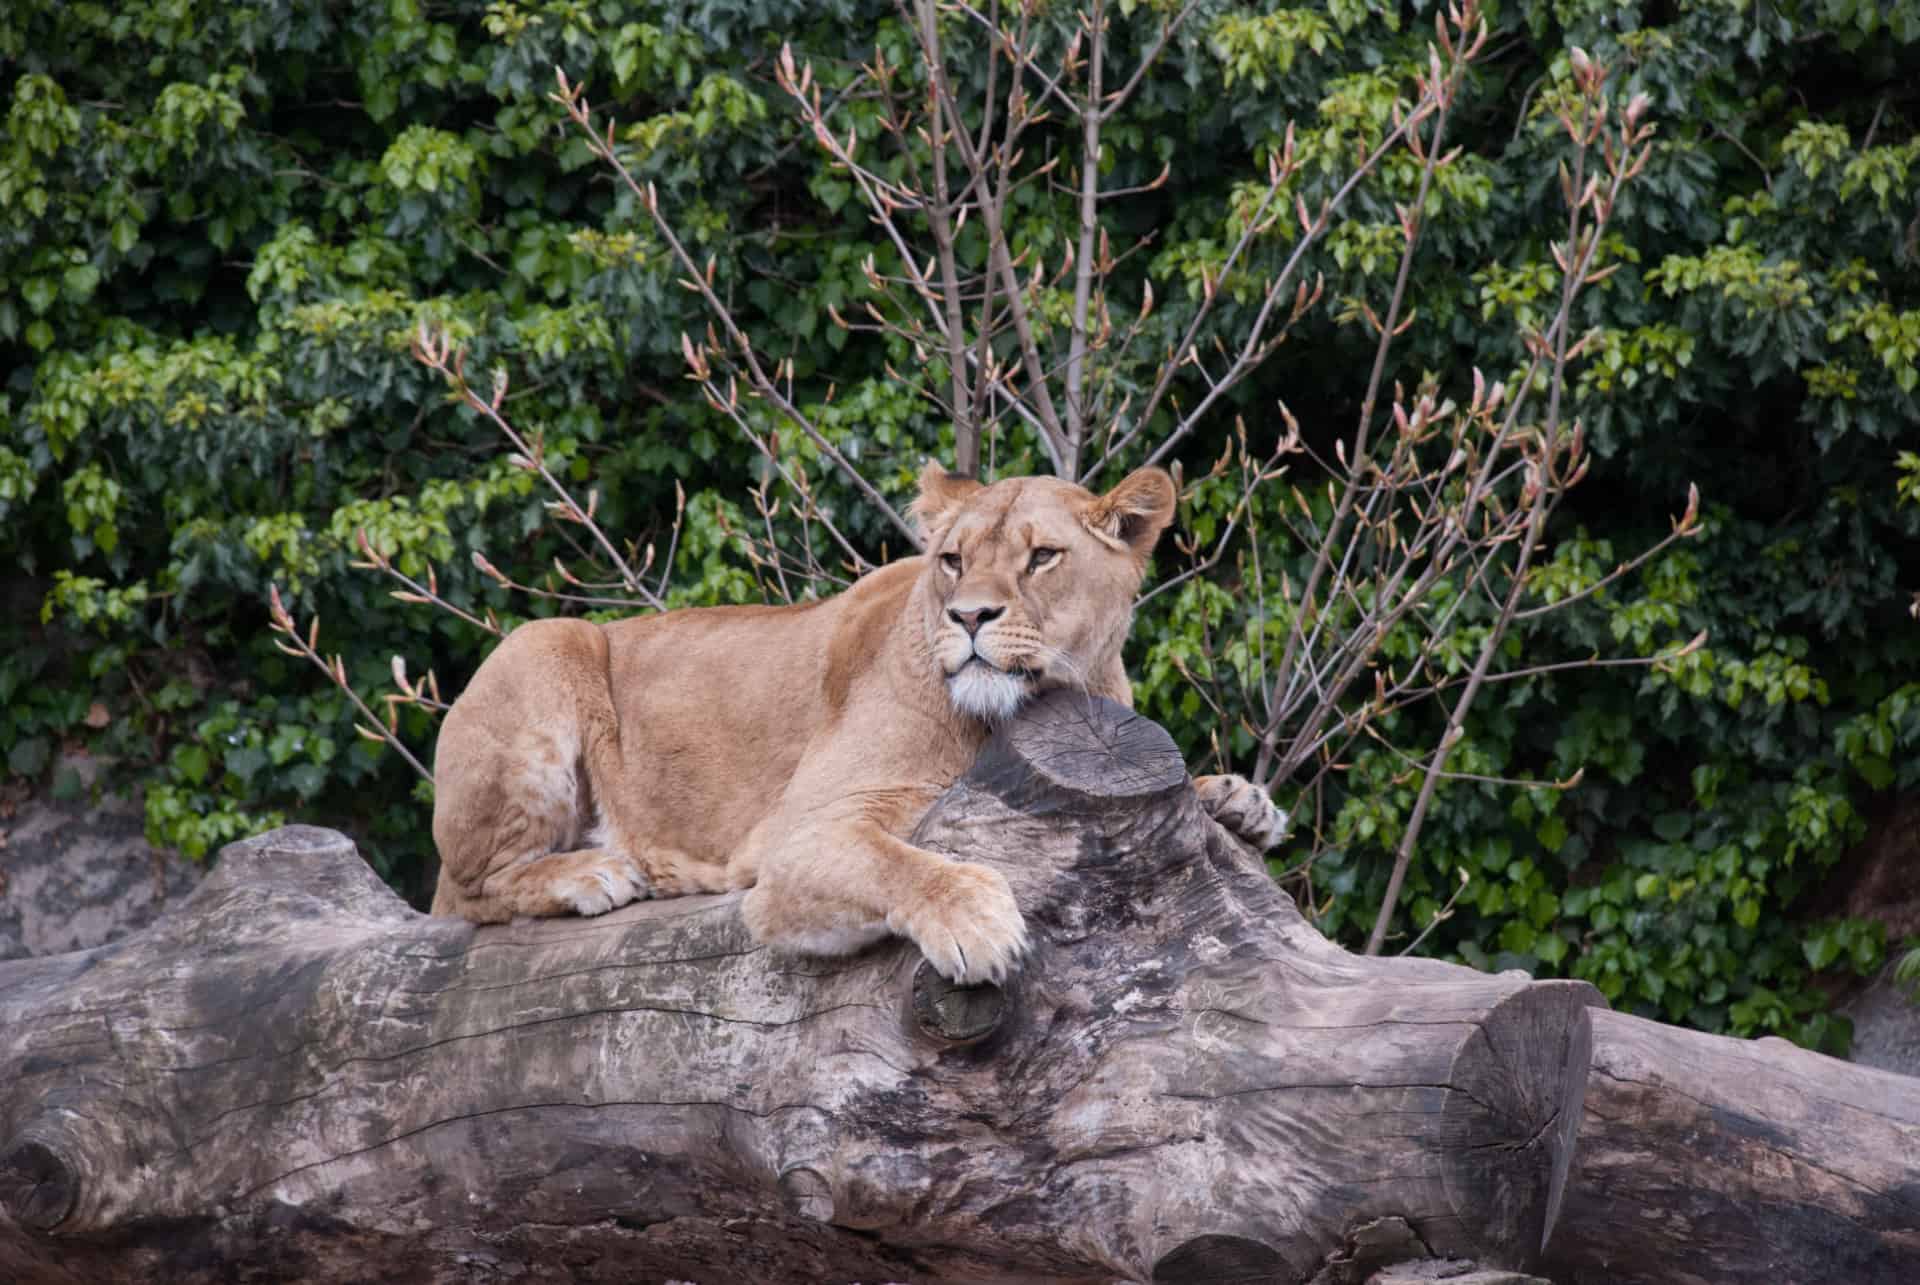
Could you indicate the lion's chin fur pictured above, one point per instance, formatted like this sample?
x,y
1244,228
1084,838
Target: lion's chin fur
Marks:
x,y
988,694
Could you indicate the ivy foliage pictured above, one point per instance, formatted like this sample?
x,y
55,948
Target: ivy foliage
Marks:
x,y
221,224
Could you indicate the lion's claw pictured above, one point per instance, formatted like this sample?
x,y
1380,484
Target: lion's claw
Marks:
x,y
604,885
967,924
1243,808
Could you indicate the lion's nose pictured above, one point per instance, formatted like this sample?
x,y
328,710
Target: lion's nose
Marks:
x,y
972,620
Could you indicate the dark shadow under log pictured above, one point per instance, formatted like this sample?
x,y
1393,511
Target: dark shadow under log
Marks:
x,y
1185,1083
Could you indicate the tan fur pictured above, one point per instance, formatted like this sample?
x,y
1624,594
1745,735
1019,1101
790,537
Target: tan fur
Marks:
x,y
788,749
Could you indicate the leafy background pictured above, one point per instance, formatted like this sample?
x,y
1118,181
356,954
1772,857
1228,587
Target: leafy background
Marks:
x,y
220,224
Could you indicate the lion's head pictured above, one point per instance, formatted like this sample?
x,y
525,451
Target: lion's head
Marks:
x,y
1030,581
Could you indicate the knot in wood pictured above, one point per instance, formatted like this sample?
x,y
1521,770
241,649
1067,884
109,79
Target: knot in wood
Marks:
x,y
37,1185
952,1013
807,1194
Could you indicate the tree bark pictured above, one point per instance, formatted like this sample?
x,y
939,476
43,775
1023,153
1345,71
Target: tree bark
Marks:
x,y
297,1077
1705,1159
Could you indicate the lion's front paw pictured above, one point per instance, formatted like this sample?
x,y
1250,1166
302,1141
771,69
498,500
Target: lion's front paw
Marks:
x,y
599,885
966,923
1242,807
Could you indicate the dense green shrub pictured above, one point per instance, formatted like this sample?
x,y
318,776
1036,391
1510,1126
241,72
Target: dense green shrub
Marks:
x,y
220,225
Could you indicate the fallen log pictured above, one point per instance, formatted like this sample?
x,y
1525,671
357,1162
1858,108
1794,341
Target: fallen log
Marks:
x,y
1705,1159
298,1074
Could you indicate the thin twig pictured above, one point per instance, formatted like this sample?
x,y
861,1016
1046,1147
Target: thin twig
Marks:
x,y
572,99
336,671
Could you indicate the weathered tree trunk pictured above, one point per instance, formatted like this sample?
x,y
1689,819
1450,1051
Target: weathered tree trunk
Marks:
x,y
297,1074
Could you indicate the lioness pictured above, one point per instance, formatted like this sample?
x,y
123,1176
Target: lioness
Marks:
x,y
789,749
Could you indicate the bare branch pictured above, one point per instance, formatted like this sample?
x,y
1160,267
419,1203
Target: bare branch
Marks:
x,y
434,350
375,728
991,176
1686,526
570,97
966,430
1084,265
1120,97
415,591
1542,493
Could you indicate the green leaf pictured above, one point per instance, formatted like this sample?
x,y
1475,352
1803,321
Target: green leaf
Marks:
x,y
1552,833
29,755
39,292
1517,936
307,779
192,762
1877,772
243,761
1821,949
67,785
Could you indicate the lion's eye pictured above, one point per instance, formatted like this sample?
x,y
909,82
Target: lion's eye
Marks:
x,y
951,561
1041,559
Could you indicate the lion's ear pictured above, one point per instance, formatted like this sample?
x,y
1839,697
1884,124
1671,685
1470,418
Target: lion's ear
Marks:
x,y
1133,514
941,495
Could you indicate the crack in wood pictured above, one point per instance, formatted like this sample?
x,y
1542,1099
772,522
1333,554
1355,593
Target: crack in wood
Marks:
x,y
1324,1086
430,1126
612,966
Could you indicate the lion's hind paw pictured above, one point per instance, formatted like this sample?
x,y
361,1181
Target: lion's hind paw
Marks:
x,y
598,884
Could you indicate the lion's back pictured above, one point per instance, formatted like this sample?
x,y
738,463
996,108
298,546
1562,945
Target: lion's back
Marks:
x,y
717,705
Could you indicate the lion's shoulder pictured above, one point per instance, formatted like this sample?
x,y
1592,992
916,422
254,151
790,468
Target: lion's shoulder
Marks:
x,y
873,610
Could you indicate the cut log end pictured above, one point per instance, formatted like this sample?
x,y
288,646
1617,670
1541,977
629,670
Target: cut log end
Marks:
x,y
807,1194
1522,1083
1071,746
